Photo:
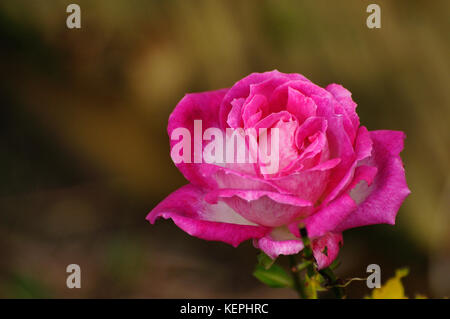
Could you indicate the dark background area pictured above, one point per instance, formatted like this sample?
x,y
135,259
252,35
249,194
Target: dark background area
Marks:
x,y
84,153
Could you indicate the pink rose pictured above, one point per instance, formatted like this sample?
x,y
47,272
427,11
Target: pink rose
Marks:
x,y
332,174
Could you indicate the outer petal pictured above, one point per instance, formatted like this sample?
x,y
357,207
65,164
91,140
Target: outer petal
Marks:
x,y
265,208
326,249
343,175
308,185
191,213
362,173
279,242
329,217
344,97
388,190
196,106
234,118
363,144
252,195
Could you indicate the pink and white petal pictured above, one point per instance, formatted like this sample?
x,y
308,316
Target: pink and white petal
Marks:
x,y
293,100
363,144
267,212
344,97
188,210
343,174
329,164
308,128
252,111
308,185
326,249
318,145
311,185
252,195
309,89
234,118
241,89
196,106
273,118
329,217
363,173
204,107
269,209
300,105
389,189
236,179
279,242
288,152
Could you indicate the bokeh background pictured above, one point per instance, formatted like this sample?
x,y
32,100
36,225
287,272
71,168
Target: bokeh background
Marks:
x,y
84,154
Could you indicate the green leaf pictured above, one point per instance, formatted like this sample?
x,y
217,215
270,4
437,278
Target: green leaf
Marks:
x,y
265,260
302,266
275,276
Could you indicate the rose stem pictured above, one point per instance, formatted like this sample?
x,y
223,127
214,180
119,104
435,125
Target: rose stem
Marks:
x,y
298,285
329,275
307,252
308,256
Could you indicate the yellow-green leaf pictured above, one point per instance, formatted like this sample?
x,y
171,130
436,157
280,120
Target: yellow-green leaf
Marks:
x,y
265,260
275,276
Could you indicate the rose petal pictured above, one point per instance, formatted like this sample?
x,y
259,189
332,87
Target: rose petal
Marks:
x,y
363,144
325,256
362,173
252,195
308,185
344,172
197,106
234,118
287,150
295,102
300,105
344,97
332,163
330,216
279,242
270,209
253,110
241,89
388,190
191,213
308,128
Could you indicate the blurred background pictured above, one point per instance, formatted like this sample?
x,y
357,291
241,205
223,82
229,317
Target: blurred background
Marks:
x,y
84,153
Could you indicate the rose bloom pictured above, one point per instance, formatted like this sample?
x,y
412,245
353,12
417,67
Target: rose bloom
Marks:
x,y
333,173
